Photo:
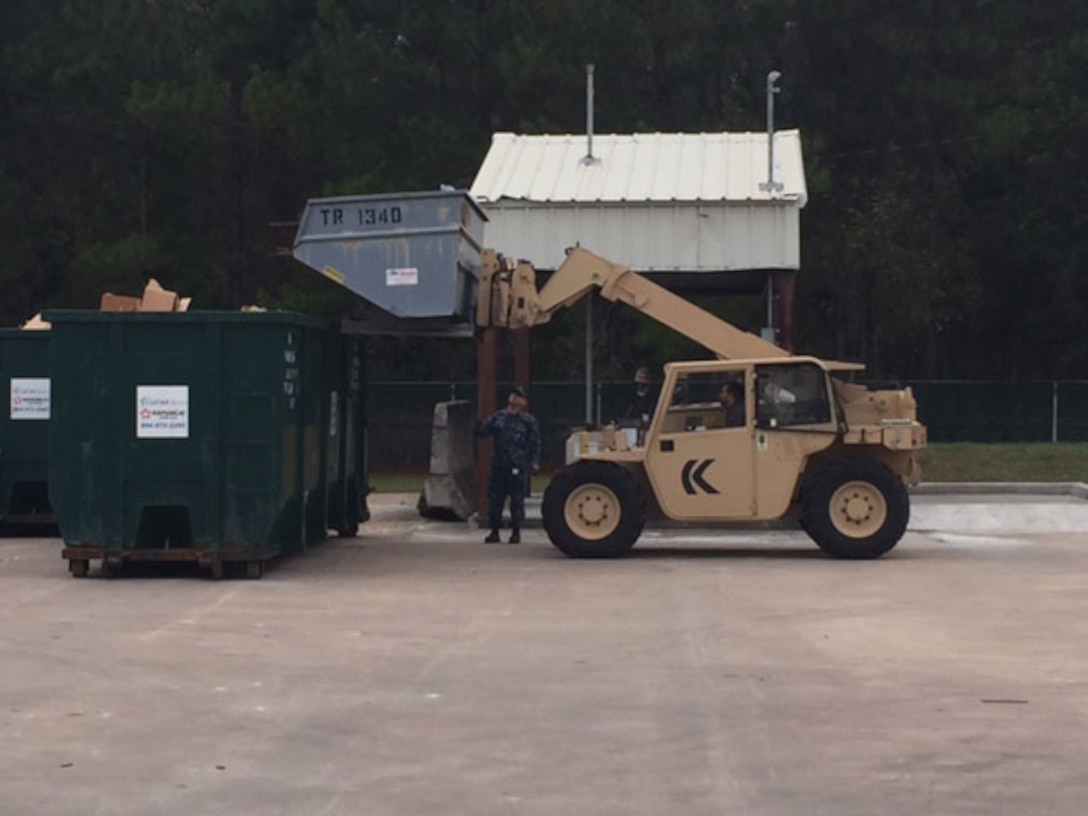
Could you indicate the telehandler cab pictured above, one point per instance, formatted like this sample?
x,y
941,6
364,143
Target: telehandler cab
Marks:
x,y
835,453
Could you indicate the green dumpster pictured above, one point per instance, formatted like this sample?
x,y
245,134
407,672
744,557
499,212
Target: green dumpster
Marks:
x,y
24,428
346,472
195,436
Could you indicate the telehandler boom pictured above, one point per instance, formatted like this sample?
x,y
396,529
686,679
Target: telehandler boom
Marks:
x,y
836,454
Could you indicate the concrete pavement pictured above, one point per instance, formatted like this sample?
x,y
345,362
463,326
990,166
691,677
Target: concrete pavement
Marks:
x,y
415,670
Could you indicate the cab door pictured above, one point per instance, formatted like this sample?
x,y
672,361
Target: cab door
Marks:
x,y
703,474
699,469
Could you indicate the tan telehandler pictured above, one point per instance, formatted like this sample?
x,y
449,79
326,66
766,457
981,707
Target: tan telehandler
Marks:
x,y
807,443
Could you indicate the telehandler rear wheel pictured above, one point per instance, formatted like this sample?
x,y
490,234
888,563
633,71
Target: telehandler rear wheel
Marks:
x,y
856,508
593,510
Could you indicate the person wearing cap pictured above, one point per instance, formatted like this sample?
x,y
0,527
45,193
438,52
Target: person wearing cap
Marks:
x,y
642,405
516,452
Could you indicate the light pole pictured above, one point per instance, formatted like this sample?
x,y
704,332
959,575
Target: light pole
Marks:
x,y
771,186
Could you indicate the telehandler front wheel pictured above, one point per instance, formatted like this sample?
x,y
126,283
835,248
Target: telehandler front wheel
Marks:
x,y
855,508
593,510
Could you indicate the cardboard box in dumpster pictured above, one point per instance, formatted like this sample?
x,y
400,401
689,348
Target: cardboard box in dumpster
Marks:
x,y
157,299
37,323
118,303
154,299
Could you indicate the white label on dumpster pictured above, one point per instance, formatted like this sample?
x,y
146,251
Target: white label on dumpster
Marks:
x,y
30,398
407,276
162,412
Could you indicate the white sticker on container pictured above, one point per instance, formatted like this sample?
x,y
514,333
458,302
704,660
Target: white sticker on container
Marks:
x,y
407,276
30,398
162,412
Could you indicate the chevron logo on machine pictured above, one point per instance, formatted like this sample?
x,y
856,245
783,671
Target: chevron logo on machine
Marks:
x,y
693,472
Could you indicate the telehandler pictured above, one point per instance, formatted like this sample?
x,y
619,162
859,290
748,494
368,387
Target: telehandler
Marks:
x,y
833,453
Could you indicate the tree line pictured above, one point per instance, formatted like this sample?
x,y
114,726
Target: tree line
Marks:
x,y
945,151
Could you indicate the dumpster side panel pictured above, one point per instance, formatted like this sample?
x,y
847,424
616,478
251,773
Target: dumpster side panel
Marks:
x,y
347,506
348,485
356,475
82,480
336,398
24,427
315,413
260,405
165,430
360,466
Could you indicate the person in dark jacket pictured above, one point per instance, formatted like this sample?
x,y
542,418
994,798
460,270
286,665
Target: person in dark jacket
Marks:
x,y
642,405
515,454
732,400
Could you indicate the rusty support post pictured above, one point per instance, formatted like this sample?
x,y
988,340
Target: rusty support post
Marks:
x,y
522,359
523,377
784,285
487,375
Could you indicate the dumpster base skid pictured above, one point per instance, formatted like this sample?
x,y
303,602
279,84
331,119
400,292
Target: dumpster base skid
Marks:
x,y
79,559
28,519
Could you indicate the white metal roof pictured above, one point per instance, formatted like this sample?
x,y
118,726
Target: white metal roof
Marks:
x,y
708,167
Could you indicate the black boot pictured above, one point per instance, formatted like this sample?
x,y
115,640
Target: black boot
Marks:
x,y
515,536
492,537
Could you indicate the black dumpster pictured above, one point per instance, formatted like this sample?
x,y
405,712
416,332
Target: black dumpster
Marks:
x,y
24,428
187,437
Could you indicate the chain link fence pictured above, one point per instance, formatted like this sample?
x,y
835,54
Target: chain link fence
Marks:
x,y
400,413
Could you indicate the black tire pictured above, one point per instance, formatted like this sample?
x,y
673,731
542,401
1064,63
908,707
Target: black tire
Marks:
x,y
855,508
593,510
255,570
79,567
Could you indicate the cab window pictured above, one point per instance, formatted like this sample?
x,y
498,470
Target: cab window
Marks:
x,y
695,403
791,395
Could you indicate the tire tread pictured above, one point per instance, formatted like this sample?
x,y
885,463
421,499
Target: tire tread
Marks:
x,y
817,498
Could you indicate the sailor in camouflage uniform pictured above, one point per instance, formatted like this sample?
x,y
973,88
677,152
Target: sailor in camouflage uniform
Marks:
x,y
516,451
